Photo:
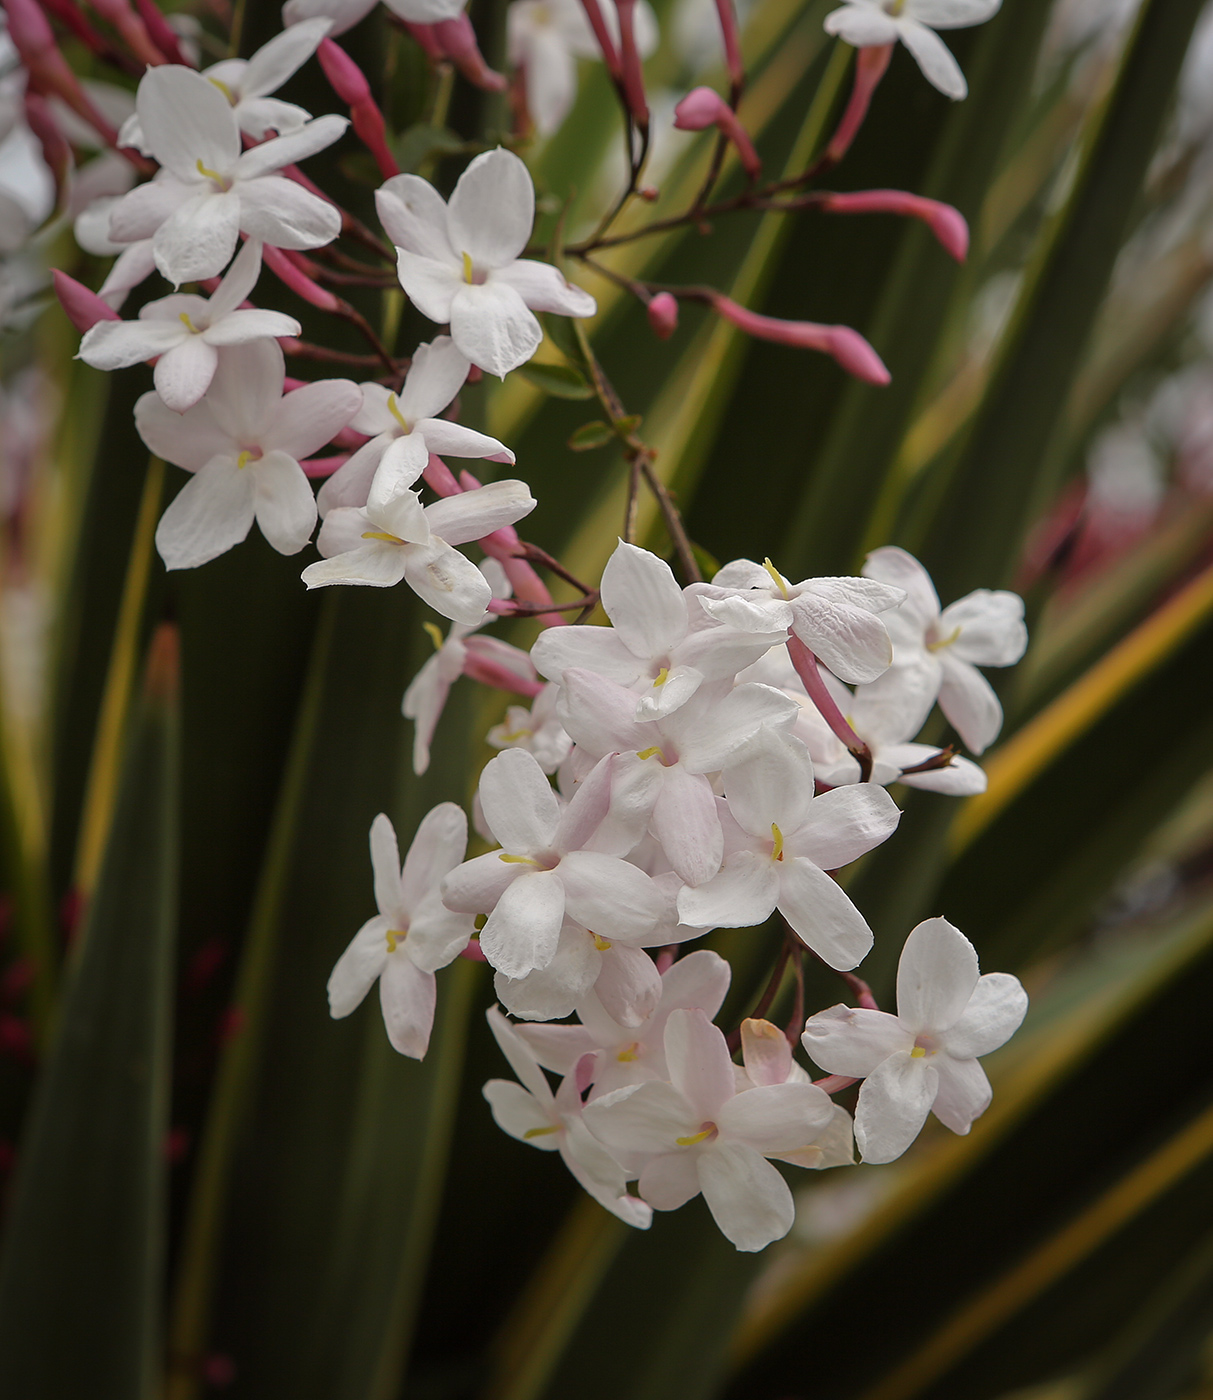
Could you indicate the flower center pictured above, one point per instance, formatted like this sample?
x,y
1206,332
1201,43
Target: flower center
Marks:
x,y
250,454
924,1045
656,751
602,944
469,274
431,631
393,407
384,536
537,1132
184,317
225,90
894,7
706,1130
662,676
629,1053
394,936
777,840
944,641
776,577
214,176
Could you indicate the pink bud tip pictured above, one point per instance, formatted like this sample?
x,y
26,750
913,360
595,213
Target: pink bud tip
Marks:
x,y
856,356
457,39
848,347
699,109
347,79
947,224
663,315
84,308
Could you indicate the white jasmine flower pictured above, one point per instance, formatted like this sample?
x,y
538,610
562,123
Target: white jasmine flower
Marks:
x,y
243,442
924,1059
459,262
186,332
767,1059
538,730
914,22
414,933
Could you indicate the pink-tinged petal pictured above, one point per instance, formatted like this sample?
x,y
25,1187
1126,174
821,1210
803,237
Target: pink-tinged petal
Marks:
x,y
520,1114
644,1117
934,58
305,419
118,344
701,979
992,629
743,894
969,702
134,265
749,1200
436,849
598,649
628,984
286,508
385,863
437,935
272,155
436,375
250,324
676,687
861,25
189,440
350,484
408,997
768,781
238,282
710,729
413,215
870,595
402,515
822,914
343,13
519,1055
685,821
450,583
845,824
373,566
475,886
587,808
897,567
211,513
518,803
853,1040
671,1180
453,440
245,392
699,1064
285,215
776,1117
765,1052
606,893
186,121
358,967
261,117
423,703
524,928
936,977
635,786
854,644
643,601
493,326
597,1172
893,1105
198,238
964,1092
492,209
136,216
184,373
557,1047
994,1013
429,284
953,14
543,288
553,991
284,55
599,714
893,707
476,513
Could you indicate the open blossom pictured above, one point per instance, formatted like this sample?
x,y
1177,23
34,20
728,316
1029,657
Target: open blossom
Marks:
x,y
413,934
924,1059
247,83
779,842
937,653
243,443
209,191
697,1133
661,642
344,14
459,262
187,332
403,429
545,38
403,540
836,618
914,22
530,1112
537,730
767,1059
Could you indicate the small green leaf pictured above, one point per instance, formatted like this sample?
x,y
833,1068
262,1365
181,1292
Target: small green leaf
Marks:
x,y
591,435
416,145
561,381
629,423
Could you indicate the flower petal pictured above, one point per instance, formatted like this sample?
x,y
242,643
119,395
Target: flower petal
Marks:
x,y
822,914
450,583
189,440
118,344
284,54
852,642
994,1013
699,1064
606,893
476,513
670,1180
447,439
286,508
992,629
544,288
936,977
199,236
893,1105
742,894
523,930
686,823
776,1117
413,215
285,215
768,781
599,649
845,824
306,418
280,151
429,284
436,375
213,511
437,848
853,1040
186,122
628,984
969,702
250,324
184,373
385,865
518,803
492,209
749,1200
861,25
644,1117
964,1092
520,1114
408,997
643,600
553,991
358,967
492,325
934,58
374,565
350,484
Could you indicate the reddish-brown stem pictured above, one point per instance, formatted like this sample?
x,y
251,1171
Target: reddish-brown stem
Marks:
x,y
770,992
806,668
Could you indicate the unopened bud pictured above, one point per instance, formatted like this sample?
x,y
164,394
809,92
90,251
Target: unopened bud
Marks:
x,y
83,308
457,39
947,224
702,108
663,315
848,347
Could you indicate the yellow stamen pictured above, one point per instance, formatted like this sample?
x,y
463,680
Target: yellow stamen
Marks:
x,y
777,837
467,267
628,1055
694,1138
648,753
435,636
394,936
777,578
517,733
244,459
946,642
187,323
381,535
515,860
917,1053
393,407
662,676
210,174
602,944
224,89
536,1132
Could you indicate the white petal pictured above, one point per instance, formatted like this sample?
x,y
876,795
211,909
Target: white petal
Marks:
x,y
608,895
385,863
274,62
350,484
852,642
936,977
597,1172
413,215
249,323
749,1200
899,568
992,630
282,213
189,440
700,979
186,121
964,1092
743,894
453,440
344,13
184,373
476,513
238,281
436,849
520,1114
476,885
434,378
845,824
700,1066
263,117
893,1105
822,914
140,213
952,14
118,344
671,1180
776,1117
308,417
765,1052
994,1013
934,58
429,284
212,512
677,687
375,565
437,935
644,1117
861,25
543,288
492,325
600,714
553,991
853,1040
358,967
710,729
524,928
408,997
286,508
198,238
492,209
961,777
599,649
518,803
246,389
628,984
551,79
686,823
643,600
768,781
450,583
969,702
279,151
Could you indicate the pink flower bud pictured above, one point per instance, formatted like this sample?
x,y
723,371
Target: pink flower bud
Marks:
x,y
423,34
870,67
610,54
132,29
702,108
457,39
947,224
35,42
84,308
663,315
161,33
297,280
350,84
55,149
631,70
848,347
